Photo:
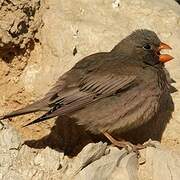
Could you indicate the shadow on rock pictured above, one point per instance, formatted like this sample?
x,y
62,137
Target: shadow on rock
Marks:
x,y
67,136
9,51
178,1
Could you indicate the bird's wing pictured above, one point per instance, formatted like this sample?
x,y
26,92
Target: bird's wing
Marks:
x,y
89,89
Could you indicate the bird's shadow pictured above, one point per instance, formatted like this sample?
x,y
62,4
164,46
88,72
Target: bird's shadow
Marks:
x,y
67,136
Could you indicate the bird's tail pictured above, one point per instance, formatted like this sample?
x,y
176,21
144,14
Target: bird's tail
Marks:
x,y
37,106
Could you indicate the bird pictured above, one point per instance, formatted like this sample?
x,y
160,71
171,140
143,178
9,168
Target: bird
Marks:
x,y
110,92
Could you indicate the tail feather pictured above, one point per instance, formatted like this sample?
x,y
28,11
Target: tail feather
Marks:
x,y
37,106
40,119
18,113
49,114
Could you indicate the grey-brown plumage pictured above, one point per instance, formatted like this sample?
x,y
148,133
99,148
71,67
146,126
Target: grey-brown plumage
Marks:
x,y
113,91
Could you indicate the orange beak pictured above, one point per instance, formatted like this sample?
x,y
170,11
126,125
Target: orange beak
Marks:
x,y
164,57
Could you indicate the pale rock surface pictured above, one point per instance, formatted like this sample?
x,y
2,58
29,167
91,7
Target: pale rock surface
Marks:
x,y
48,159
89,154
19,22
116,165
161,163
10,142
96,161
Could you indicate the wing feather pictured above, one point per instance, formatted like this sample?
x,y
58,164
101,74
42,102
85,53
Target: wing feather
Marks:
x,y
90,90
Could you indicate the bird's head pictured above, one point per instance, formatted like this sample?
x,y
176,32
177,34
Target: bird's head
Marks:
x,y
144,45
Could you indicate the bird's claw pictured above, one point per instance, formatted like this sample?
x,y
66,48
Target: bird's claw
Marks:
x,y
129,146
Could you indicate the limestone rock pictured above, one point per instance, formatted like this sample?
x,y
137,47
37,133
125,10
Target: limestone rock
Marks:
x,y
48,159
161,163
96,161
111,166
19,22
9,138
89,154
10,142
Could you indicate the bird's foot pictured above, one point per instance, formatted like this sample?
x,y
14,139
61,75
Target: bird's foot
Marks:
x,y
125,144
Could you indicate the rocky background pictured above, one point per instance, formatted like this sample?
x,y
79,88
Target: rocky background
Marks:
x,y
39,41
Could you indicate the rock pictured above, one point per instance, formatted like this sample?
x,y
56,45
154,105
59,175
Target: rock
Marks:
x,y
116,3
89,154
161,163
104,167
9,145
128,168
178,1
11,175
48,159
95,161
9,138
1,125
24,162
19,22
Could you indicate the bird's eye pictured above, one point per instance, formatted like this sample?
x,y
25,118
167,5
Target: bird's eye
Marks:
x,y
147,47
